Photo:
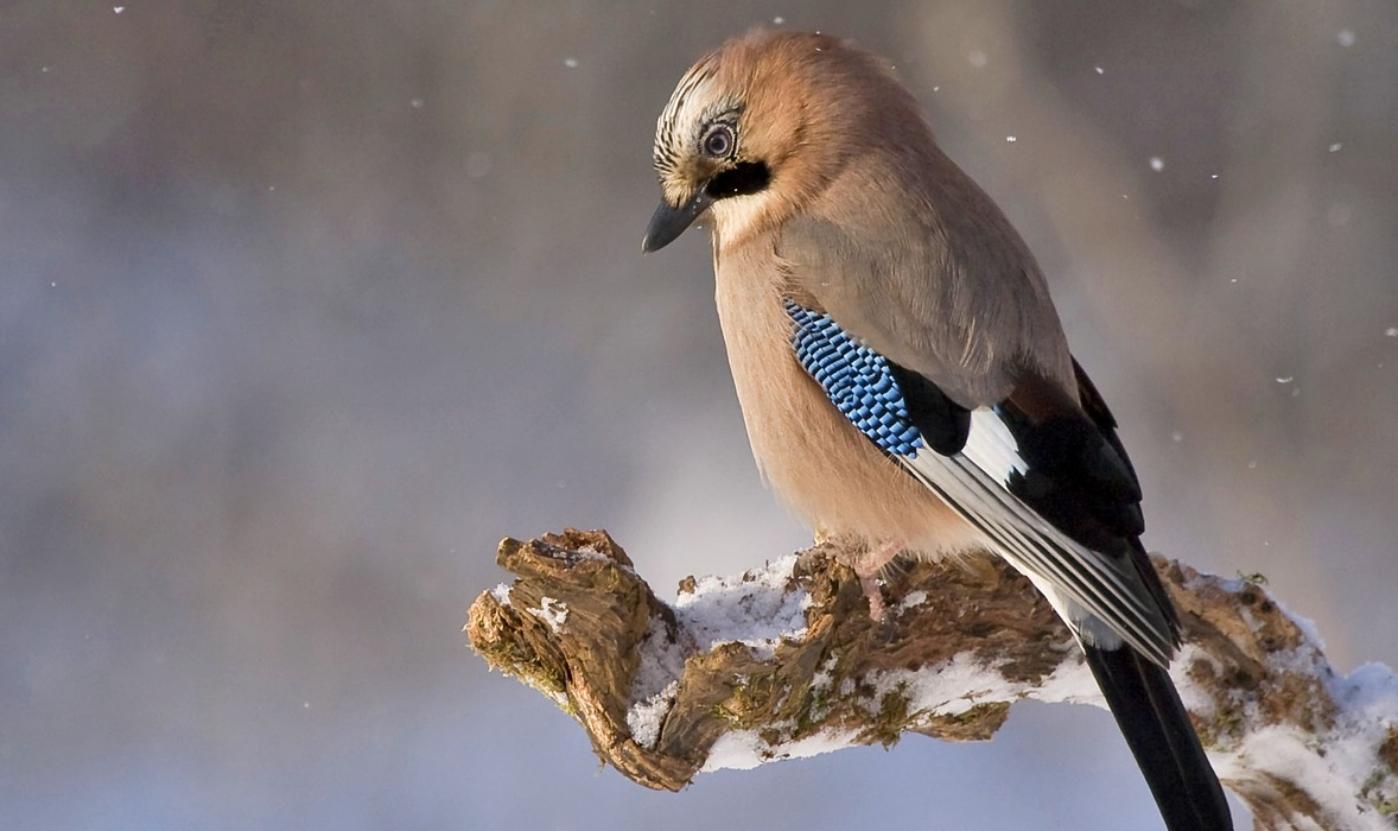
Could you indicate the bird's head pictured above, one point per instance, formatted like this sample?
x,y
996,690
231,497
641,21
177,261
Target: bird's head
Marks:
x,y
758,127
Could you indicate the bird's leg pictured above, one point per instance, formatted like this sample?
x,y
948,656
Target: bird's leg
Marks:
x,y
868,566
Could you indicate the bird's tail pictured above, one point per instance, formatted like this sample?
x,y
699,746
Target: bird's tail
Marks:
x,y
1149,713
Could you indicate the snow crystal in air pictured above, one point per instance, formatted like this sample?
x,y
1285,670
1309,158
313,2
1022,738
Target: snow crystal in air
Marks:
x,y
1099,70
1345,37
1285,379
118,9
478,165
571,63
1336,147
1157,164
778,20
977,58
1391,332
1011,139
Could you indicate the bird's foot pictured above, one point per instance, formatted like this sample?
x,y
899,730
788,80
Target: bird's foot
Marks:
x,y
869,567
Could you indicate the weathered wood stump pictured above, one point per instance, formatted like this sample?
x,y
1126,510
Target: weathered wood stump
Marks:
x,y
784,661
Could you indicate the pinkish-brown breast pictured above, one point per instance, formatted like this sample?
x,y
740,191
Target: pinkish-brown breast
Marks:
x,y
829,473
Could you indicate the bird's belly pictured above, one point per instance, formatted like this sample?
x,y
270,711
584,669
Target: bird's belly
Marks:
x,y
820,465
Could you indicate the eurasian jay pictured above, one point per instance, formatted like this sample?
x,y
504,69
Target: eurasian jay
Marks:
x,y
903,375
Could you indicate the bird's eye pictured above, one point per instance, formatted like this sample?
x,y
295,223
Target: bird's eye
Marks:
x,y
718,142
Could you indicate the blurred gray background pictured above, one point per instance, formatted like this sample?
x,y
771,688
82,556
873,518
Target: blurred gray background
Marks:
x,y
303,305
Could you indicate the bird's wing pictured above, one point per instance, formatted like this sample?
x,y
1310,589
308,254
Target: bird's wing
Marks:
x,y
1096,409
954,296
1042,482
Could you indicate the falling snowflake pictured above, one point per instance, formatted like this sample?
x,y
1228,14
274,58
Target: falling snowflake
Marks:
x,y
478,165
1157,164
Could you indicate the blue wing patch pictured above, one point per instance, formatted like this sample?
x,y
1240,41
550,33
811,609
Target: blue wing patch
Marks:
x,y
856,379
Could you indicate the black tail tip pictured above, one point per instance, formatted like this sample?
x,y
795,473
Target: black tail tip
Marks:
x,y
1158,731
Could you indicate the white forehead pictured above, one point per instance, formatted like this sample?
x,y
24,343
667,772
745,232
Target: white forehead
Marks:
x,y
696,98
689,97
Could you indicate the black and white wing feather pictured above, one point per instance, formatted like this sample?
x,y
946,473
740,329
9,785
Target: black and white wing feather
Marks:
x,y
1056,500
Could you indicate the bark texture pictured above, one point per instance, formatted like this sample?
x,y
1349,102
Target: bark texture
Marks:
x,y
785,661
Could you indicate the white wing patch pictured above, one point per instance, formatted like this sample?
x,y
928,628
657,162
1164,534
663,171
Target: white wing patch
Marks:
x,y
992,448
1102,599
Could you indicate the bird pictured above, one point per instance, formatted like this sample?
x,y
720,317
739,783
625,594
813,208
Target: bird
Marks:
x,y
904,378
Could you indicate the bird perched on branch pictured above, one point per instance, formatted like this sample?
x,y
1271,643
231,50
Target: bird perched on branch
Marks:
x,y
903,375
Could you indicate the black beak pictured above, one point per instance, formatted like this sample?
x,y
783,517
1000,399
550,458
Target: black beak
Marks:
x,y
668,223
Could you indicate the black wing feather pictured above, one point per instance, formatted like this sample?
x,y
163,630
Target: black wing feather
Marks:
x,y
1097,410
944,424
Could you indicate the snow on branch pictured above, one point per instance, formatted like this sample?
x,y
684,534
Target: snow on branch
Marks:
x,y
783,661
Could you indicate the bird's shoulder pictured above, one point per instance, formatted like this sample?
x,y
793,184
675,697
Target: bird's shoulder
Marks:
x,y
961,314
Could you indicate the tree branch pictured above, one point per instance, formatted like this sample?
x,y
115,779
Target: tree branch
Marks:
x,y
784,661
